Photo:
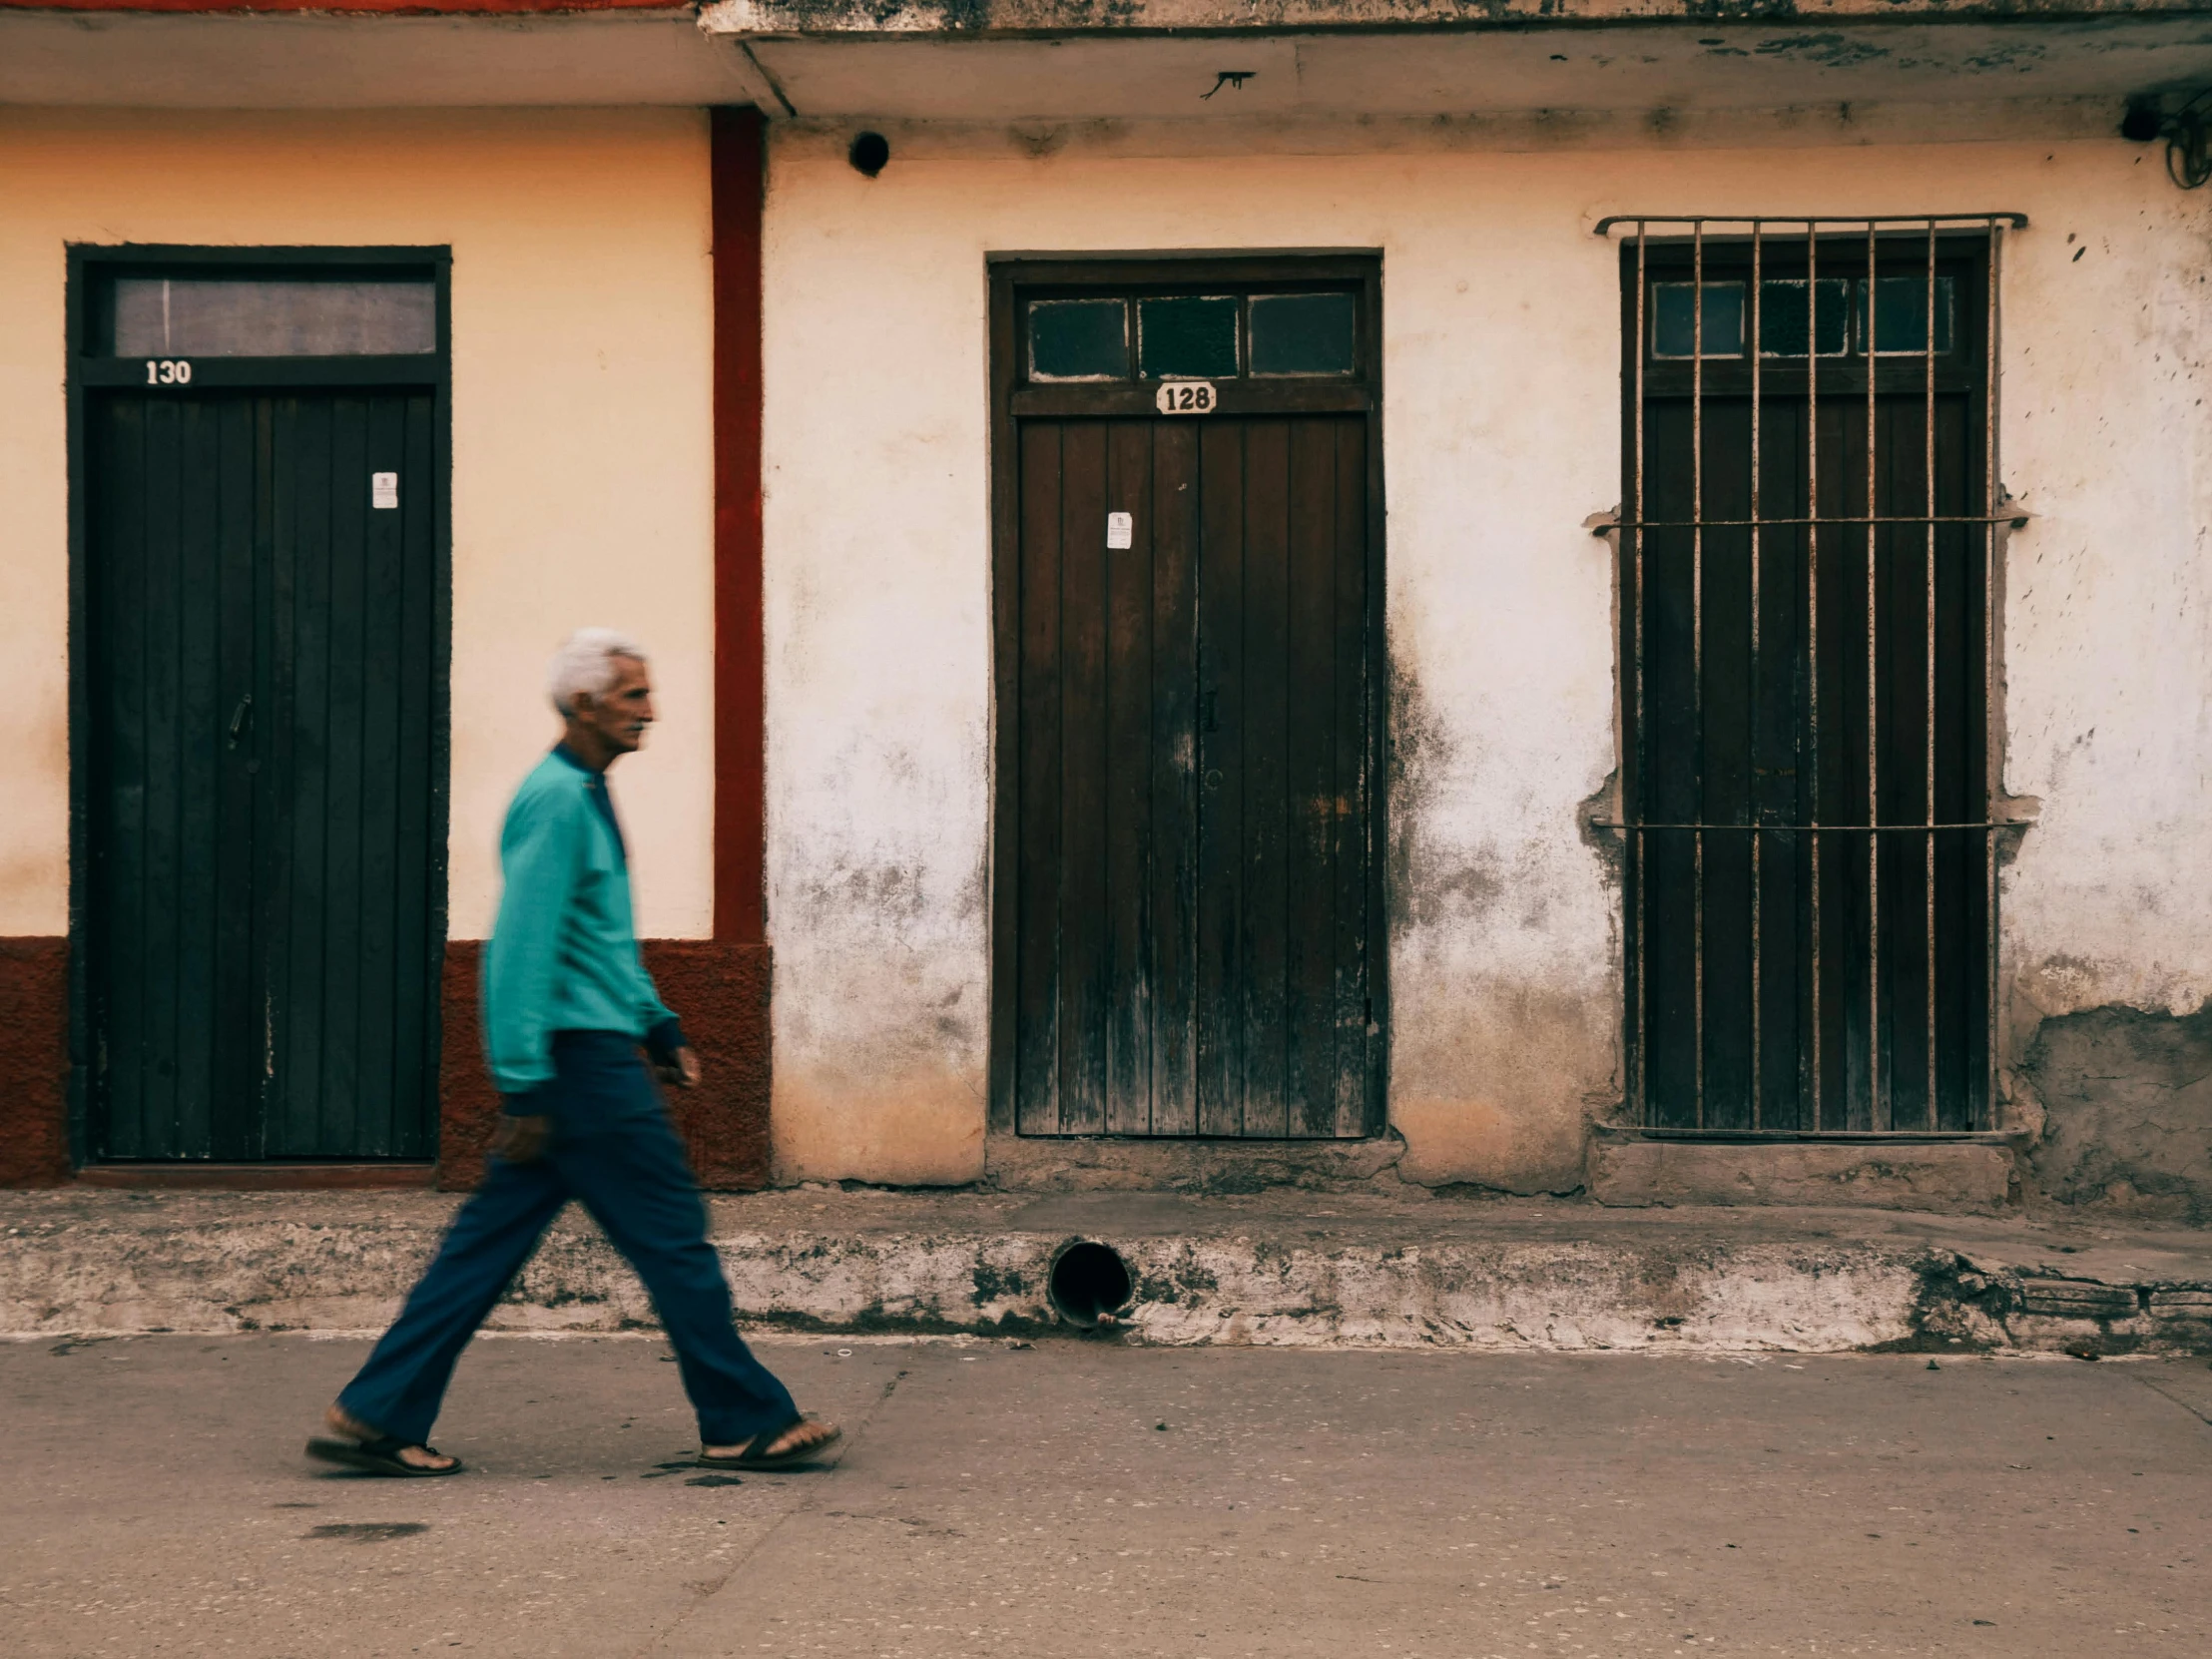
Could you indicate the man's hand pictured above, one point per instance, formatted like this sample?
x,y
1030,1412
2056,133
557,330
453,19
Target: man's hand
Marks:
x,y
521,1140
682,1070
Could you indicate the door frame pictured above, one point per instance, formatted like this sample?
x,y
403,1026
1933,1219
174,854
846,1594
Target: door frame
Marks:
x,y
88,264
1010,278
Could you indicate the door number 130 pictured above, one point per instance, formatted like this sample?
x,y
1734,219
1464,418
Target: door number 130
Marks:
x,y
168,371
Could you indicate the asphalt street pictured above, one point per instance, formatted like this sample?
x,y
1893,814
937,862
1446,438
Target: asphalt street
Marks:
x,y
1081,1498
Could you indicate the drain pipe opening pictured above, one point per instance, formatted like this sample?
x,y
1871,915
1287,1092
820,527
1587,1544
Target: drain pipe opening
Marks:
x,y
1090,1284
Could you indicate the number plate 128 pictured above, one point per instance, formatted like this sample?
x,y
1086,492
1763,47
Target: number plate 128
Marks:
x,y
1186,398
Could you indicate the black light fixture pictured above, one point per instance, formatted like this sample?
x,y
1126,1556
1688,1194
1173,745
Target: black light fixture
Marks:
x,y
2187,133
870,154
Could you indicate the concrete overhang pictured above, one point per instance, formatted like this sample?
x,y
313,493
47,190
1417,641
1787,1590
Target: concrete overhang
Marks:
x,y
365,60
1410,72
1143,61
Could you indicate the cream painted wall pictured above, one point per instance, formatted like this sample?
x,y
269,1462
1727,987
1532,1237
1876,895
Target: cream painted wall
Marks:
x,y
1501,434
582,426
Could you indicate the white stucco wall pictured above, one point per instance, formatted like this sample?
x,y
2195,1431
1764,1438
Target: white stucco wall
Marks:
x,y
1501,429
582,426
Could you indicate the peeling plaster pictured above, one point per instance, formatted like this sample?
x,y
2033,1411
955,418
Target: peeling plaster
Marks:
x,y
1504,933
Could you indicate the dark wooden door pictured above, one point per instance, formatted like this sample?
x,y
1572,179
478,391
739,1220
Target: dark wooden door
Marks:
x,y
1196,780
265,829
1805,639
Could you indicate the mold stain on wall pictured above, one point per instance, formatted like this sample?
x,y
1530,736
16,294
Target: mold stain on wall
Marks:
x,y
2126,1101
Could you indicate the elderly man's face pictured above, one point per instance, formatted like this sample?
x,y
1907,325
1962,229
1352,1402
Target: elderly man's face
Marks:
x,y
618,716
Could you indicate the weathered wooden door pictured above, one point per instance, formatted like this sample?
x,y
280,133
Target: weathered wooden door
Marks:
x,y
1193,799
1806,648
265,825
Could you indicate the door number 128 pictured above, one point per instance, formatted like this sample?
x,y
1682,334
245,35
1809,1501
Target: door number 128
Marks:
x,y
168,371
1186,398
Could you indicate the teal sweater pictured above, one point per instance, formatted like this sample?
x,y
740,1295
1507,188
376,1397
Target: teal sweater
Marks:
x,y
563,956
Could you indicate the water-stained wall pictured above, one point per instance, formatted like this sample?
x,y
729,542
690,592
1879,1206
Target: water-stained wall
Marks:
x,y
1501,434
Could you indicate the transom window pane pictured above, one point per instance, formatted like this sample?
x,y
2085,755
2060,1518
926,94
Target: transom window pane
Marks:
x,y
1674,319
1900,306
1187,338
1078,340
1303,334
258,316
1787,322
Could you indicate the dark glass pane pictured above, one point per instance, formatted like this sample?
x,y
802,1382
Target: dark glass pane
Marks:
x,y
1901,315
250,316
1784,324
1674,319
1194,337
1078,340
1301,334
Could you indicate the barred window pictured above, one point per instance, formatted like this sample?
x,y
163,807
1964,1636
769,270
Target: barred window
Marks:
x,y
1807,548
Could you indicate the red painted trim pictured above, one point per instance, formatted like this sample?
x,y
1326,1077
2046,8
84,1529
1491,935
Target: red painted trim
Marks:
x,y
34,1061
721,991
379,8
737,162
259,1178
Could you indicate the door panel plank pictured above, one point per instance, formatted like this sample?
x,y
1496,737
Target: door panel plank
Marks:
x,y
1038,875
165,507
119,575
1357,1094
344,621
1778,792
198,757
1173,761
1085,990
303,529
1726,717
1220,820
1667,785
415,953
1311,850
1127,740
1263,868
384,555
237,1026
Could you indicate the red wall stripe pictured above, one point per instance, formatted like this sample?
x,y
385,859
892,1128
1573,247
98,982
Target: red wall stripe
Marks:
x,y
737,156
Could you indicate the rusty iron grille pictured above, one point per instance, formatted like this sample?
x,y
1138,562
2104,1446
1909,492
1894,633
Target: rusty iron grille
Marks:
x,y
1808,550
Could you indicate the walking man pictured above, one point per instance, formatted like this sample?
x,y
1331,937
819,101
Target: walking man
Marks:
x,y
567,1005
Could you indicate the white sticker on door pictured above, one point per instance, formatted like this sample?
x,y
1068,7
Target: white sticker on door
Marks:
x,y
383,489
1121,529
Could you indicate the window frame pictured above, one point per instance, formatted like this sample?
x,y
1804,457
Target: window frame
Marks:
x,y
1016,280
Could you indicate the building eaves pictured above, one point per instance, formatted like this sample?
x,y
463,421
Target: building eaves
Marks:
x,y
1063,18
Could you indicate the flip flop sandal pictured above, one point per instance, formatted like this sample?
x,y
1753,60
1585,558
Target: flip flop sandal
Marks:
x,y
752,1457
379,1456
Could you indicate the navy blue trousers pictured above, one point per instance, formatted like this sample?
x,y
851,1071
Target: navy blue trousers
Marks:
x,y
613,1149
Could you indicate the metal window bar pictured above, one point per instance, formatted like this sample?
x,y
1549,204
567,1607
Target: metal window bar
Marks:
x,y
1864,976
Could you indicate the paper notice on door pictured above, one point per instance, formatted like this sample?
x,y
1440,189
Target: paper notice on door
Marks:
x,y
1121,530
383,489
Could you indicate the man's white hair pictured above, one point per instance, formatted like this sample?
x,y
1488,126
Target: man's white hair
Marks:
x,y
585,665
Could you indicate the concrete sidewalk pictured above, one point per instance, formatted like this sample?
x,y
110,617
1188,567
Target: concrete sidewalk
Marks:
x,y
1283,1268
1071,1499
